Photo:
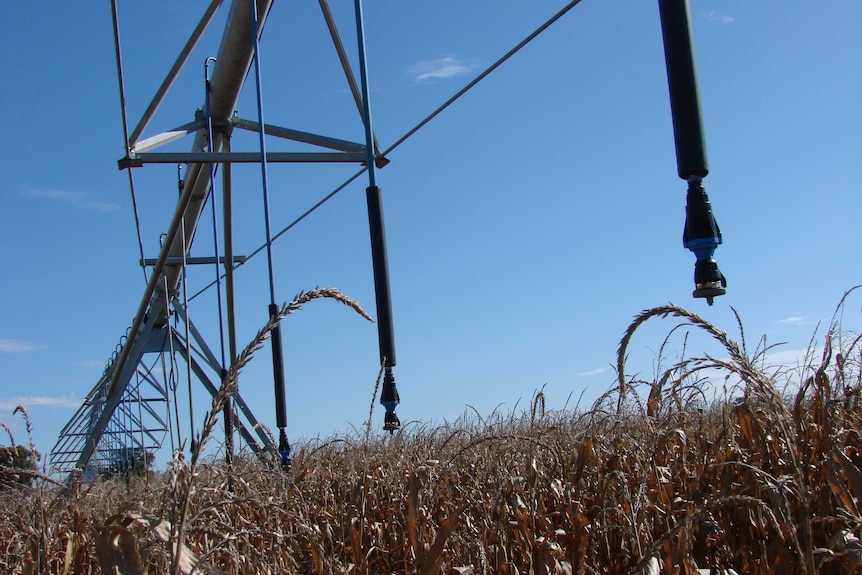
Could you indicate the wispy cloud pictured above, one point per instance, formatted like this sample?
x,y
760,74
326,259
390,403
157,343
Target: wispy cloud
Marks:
x,y
592,372
92,363
60,195
81,200
792,357
64,401
795,320
101,206
18,346
780,357
718,18
442,68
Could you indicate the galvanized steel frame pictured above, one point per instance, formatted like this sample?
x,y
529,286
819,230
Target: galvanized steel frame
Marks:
x,y
233,63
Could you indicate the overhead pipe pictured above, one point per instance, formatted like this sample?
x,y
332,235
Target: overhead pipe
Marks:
x,y
234,62
232,66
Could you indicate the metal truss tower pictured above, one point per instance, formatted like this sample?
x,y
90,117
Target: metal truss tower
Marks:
x,y
128,411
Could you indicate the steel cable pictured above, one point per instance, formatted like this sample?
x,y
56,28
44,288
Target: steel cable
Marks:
x,y
407,135
122,84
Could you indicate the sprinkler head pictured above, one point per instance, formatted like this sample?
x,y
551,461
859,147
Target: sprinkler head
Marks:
x,y
389,399
284,450
702,236
709,282
391,423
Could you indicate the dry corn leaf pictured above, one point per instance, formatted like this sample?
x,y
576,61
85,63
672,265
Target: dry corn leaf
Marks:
x,y
318,557
27,567
545,565
70,555
653,400
838,486
747,423
117,551
851,472
434,558
586,456
356,541
161,528
848,546
412,512
652,567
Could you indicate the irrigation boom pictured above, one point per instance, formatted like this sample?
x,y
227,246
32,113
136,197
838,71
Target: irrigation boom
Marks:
x,y
108,423
118,418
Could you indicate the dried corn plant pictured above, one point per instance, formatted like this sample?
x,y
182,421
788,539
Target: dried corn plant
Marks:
x,y
670,476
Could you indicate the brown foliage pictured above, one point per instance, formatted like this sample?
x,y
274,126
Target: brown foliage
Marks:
x,y
18,466
760,481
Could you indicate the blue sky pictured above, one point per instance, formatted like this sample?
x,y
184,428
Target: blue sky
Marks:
x,y
527,224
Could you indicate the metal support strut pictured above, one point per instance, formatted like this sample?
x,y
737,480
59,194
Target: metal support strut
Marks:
x,y
389,394
701,234
277,355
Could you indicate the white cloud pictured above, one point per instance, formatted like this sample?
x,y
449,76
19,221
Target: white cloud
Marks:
x,y
794,358
592,372
17,346
39,401
442,68
93,363
101,206
59,195
79,199
795,320
714,16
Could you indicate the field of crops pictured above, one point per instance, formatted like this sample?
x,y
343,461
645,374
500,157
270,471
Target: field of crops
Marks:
x,y
656,477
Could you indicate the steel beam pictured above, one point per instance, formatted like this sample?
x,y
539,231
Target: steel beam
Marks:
x,y
299,136
158,140
174,71
194,261
246,157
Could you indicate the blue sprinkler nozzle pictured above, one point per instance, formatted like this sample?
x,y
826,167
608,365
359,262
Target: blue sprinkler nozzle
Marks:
x,y
389,400
702,236
284,450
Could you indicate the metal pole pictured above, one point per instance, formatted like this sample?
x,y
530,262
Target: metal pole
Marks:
x,y
214,210
701,234
227,184
126,145
223,370
277,354
342,57
389,397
